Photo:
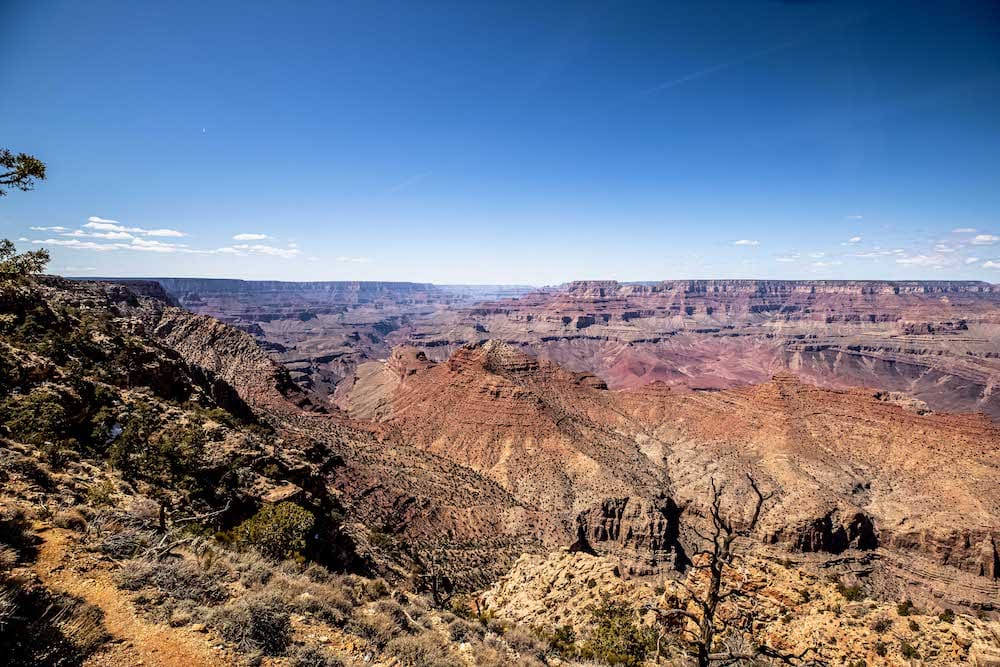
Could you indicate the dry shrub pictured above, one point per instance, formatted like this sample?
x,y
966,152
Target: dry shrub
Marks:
x,y
461,630
329,603
425,650
255,623
15,530
8,605
145,510
376,627
313,656
524,642
70,519
176,578
374,589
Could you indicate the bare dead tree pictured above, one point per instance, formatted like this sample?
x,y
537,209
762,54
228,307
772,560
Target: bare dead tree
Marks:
x,y
719,559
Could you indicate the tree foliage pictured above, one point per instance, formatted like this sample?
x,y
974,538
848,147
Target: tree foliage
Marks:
x,y
19,171
278,531
14,264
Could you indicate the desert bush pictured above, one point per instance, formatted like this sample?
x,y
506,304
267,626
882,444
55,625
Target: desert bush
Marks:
x,y
257,622
617,638
124,544
374,589
947,616
178,578
852,592
49,628
329,604
881,625
523,641
561,640
70,519
256,575
8,605
101,494
313,656
904,608
461,630
914,626
377,628
908,650
15,531
424,650
278,531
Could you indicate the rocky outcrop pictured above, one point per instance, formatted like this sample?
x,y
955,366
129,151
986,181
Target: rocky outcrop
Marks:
x,y
833,533
644,535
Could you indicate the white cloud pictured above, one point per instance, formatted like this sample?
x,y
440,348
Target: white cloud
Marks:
x,y
786,259
55,228
873,254
354,260
155,246
854,217
991,264
964,230
24,239
823,265
76,243
985,239
109,235
250,237
746,242
922,260
854,239
971,260
817,255
267,250
104,225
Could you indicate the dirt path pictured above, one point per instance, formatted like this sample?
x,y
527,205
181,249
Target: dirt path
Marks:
x,y
135,641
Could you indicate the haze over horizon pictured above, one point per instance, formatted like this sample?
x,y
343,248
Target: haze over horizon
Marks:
x,y
462,144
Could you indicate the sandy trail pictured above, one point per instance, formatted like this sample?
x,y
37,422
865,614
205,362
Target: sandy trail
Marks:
x,y
135,641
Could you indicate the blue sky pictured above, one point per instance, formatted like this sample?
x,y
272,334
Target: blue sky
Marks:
x,y
507,142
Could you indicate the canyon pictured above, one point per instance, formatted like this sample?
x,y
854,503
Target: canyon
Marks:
x,y
936,341
517,445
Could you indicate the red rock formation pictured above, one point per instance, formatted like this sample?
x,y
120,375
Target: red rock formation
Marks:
x,y
852,471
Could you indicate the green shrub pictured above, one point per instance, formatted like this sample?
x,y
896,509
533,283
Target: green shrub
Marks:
x,y
881,625
904,608
947,616
851,593
617,638
101,494
278,531
561,640
908,650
